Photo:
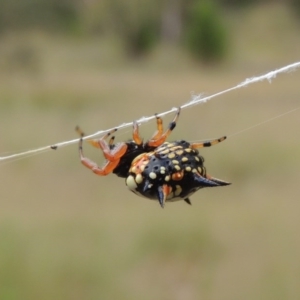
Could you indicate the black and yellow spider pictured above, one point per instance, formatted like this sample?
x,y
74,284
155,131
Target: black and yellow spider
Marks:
x,y
156,169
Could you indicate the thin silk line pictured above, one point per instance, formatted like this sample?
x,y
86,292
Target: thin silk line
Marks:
x,y
195,101
264,122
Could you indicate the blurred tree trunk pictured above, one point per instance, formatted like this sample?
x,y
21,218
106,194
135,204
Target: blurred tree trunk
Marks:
x,y
171,27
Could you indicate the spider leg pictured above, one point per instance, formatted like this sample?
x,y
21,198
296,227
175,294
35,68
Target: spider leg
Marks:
x,y
111,141
160,129
159,137
207,143
79,131
113,156
105,170
136,135
109,152
96,142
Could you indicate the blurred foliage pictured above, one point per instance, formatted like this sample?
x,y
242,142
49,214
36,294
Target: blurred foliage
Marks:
x,y
19,56
206,36
295,4
43,14
238,3
140,25
137,23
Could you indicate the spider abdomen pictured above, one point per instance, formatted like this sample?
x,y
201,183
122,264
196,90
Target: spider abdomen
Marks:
x,y
172,171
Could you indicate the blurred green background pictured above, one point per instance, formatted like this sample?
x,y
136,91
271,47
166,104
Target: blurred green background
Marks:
x,y
68,234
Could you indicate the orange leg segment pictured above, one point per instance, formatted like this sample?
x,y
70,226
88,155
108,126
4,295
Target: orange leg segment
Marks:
x,y
159,137
160,129
113,156
105,170
95,143
136,135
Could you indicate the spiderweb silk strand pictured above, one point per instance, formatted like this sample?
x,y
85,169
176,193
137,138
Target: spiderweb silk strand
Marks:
x,y
195,101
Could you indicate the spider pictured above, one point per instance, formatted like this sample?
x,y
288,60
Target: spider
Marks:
x,y
155,169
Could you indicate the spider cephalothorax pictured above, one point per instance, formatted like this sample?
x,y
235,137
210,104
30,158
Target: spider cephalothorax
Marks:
x,y
156,169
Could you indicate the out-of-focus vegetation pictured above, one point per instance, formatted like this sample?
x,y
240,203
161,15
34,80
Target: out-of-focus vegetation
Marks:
x,y
138,24
66,233
47,15
206,35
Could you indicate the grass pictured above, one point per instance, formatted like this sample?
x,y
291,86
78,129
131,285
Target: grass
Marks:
x,y
68,234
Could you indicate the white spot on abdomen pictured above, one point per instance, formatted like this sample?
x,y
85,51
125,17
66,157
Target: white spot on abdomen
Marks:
x,y
130,182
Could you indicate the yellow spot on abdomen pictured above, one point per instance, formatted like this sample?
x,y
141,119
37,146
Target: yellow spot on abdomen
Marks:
x,y
171,155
